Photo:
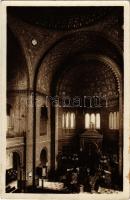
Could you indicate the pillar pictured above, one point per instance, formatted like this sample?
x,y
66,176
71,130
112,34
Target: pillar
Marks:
x,y
29,140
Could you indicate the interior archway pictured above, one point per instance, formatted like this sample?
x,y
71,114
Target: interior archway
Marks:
x,y
96,79
16,161
17,71
43,157
17,86
76,83
68,48
91,42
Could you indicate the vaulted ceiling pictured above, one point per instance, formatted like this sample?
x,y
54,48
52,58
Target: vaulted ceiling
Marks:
x,y
62,36
17,71
65,18
91,78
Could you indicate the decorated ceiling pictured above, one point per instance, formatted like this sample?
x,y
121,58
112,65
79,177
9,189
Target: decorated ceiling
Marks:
x,y
65,18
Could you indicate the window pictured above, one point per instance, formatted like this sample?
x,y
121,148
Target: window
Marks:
x,y
92,120
98,121
63,120
68,120
87,120
114,120
72,120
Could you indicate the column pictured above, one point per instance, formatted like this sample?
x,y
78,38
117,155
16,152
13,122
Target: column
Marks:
x,y
29,140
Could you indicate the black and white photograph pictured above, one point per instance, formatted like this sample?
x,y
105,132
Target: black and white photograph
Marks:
x,y
65,99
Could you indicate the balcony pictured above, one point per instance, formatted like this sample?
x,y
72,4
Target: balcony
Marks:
x,y
15,141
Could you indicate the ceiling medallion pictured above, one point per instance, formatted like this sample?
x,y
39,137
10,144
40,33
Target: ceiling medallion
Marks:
x,y
34,42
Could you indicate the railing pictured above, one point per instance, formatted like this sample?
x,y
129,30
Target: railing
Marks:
x,y
15,141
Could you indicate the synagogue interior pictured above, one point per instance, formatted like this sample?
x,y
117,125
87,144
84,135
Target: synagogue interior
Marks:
x,y
64,99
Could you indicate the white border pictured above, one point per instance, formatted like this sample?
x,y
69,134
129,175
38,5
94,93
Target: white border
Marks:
x,y
121,195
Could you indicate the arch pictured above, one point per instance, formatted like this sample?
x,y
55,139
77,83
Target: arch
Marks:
x,y
63,120
114,120
72,120
16,161
87,120
68,120
92,120
13,72
14,170
57,72
44,157
67,37
67,116
98,120
19,154
84,58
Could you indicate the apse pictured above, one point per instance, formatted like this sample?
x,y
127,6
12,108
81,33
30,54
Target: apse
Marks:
x,y
89,88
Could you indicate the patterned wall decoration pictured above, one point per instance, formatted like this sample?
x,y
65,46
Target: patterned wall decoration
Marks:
x,y
71,47
92,78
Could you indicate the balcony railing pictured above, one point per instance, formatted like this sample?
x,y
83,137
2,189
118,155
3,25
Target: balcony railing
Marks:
x,y
15,141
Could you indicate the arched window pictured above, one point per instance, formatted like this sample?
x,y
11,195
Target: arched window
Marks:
x,y
68,120
87,120
63,120
114,120
43,157
72,120
92,120
16,161
97,121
